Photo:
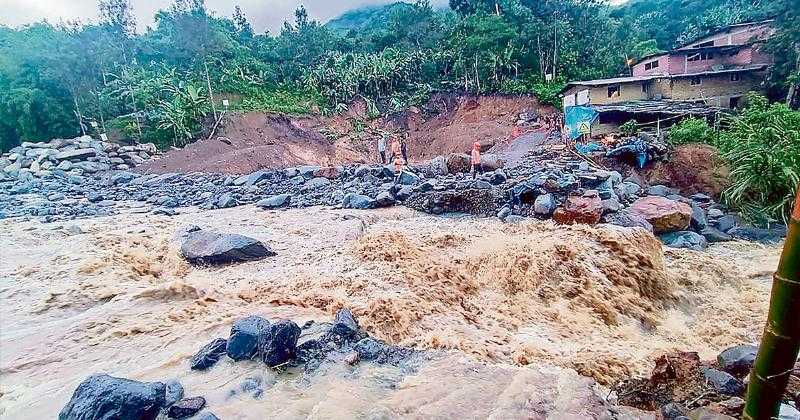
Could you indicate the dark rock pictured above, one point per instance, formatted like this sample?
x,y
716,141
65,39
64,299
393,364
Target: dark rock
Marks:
x,y
209,354
714,235
700,198
705,413
766,236
673,410
246,334
344,324
358,201
660,190
627,219
699,221
225,201
726,223
504,212
106,397
685,239
482,185
384,199
544,205
214,248
715,213
370,348
276,201
404,192
76,154
723,382
738,360
186,407
610,205
280,344
174,392
94,197
316,183
408,178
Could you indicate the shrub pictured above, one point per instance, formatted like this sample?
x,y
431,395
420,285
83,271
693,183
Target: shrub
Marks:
x,y
630,128
690,130
762,147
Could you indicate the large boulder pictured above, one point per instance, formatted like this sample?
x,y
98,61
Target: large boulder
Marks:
x,y
584,209
685,239
627,219
723,382
358,201
106,397
274,202
280,345
344,324
209,354
738,360
664,214
246,334
204,247
544,205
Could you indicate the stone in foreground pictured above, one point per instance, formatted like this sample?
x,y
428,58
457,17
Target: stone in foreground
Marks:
x,y
186,407
204,247
209,355
738,360
246,334
281,344
107,397
664,214
587,209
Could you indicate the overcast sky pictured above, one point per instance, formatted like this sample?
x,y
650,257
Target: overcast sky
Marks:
x,y
263,14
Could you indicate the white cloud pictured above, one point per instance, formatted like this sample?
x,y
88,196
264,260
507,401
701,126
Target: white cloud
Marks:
x,y
263,14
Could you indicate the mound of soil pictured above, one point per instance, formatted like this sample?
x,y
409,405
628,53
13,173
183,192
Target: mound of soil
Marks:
x,y
247,142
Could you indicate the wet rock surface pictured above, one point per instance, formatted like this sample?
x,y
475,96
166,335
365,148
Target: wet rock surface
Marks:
x,y
206,247
107,397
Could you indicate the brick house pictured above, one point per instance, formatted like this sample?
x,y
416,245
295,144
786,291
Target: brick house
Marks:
x,y
717,69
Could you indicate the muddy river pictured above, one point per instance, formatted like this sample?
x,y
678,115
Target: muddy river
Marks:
x,y
523,321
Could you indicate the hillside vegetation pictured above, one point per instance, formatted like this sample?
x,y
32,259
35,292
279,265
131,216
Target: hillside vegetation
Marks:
x,y
161,85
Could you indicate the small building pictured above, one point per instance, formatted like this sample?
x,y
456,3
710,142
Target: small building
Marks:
x,y
716,70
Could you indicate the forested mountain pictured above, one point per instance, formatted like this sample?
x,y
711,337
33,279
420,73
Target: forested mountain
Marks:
x,y
61,80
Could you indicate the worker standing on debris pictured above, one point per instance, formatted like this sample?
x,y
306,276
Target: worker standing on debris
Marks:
x,y
476,159
396,156
382,148
403,150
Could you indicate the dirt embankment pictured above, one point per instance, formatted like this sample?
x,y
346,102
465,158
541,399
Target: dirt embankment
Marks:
x,y
246,142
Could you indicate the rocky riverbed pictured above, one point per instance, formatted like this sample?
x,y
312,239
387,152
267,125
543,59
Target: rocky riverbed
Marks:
x,y
543,185
511,318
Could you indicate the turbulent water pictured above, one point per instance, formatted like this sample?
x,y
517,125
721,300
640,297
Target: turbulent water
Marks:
x,y
513,311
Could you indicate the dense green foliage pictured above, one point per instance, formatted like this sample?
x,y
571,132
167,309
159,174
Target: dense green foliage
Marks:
x,y
164,84
762,147
690,130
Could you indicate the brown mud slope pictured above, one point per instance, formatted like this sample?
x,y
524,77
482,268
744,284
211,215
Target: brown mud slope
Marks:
x,y
257,141
458,121
246,142
691,168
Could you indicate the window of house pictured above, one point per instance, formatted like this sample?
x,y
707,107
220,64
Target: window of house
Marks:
x,y
695,81
644,87
651,65
735,77
613,91
734,102
701,56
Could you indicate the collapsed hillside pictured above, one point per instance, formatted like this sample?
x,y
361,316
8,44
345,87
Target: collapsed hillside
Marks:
x,y
247,142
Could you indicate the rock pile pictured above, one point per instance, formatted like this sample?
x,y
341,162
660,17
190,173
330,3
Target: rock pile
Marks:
x,y
78,156
544,186
279,344
682,386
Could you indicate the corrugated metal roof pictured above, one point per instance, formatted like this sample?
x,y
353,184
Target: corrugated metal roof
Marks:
x,y
663,106
630,79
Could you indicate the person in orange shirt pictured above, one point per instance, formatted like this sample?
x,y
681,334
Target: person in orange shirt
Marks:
x,y
396,156
476,159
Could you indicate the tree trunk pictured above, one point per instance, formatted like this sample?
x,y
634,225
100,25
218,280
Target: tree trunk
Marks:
x,y
210,92
78,114
790,96
781,340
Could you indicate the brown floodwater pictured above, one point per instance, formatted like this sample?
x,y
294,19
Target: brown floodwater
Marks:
x,y
523,321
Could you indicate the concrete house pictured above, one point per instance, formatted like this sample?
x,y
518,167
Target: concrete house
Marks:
x,y
716,70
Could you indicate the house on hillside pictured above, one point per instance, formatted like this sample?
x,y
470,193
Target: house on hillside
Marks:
x,y
716,70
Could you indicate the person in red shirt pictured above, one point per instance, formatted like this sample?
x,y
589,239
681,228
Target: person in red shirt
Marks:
x,y
476,159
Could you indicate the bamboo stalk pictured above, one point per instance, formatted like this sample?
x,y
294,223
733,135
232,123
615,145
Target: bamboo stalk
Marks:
x,y
781,340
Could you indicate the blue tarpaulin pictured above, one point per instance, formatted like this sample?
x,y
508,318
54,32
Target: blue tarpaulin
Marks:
x,y
578,120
